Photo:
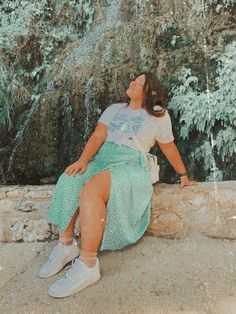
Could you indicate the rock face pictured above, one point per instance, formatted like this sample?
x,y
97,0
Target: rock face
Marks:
x,y
208,209
61,79
23,212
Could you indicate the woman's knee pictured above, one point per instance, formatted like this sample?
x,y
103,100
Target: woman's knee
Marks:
x,y
69,182
97,187
63,178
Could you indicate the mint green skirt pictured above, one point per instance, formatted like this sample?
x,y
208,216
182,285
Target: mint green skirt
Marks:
x,y
129,204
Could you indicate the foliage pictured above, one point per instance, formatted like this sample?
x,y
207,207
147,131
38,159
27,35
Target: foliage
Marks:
x,y
32,33
16,18
222,5
225,3
210,113
62,20
218,5
8,98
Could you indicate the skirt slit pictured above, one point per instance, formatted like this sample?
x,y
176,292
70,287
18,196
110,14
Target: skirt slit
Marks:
x,y
129,204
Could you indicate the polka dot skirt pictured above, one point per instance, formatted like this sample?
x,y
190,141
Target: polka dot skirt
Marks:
x,y
129,204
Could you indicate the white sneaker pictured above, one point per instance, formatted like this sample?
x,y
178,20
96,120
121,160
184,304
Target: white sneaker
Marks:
x,y
61,255
78,277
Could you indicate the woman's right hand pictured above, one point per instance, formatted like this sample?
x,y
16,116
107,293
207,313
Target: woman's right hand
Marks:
x,y
78,166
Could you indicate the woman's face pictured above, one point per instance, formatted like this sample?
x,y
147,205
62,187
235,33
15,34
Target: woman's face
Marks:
x,y
135,90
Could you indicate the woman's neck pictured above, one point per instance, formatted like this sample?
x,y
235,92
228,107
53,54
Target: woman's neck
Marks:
x,y
135,104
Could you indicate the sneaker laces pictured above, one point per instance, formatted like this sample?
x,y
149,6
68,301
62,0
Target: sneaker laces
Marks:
x,y
68,268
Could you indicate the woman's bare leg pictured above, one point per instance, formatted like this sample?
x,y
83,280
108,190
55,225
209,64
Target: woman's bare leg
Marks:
x,y
93,199
67,236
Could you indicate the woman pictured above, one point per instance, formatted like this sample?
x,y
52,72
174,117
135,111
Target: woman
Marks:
x,y
110,185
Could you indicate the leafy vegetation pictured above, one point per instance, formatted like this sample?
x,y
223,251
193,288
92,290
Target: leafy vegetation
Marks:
x,y
210,113
32,33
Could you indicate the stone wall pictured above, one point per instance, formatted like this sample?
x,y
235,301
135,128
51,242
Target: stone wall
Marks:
x,y
208,208
23,211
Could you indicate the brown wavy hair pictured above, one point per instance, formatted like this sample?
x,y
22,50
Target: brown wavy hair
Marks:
x,y
153,94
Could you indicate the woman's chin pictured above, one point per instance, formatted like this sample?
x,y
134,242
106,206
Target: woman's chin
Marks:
x,y
128,93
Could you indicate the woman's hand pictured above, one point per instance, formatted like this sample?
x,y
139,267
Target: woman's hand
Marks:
x,y
184,181
78,166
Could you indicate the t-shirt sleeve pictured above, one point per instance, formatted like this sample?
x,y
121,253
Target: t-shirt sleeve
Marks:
x,y
164,132
108,113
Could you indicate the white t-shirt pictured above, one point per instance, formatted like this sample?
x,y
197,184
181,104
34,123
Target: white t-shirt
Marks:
x,y
124,122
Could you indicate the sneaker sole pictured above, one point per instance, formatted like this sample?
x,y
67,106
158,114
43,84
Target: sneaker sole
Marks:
x,y
84,286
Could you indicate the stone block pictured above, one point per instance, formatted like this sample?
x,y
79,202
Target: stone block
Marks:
x,y
40,195
5,227
166,224
8,205
31,230
33,205
199,200
16,193
224,197
3,195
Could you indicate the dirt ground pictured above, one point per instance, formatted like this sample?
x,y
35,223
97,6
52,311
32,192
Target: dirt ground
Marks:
x,y
155,276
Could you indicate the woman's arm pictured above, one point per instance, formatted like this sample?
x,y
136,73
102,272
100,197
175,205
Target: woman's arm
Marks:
x,y
92,146
171,152
94,142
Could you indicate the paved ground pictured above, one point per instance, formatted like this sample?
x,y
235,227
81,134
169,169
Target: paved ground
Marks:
x,y
195,275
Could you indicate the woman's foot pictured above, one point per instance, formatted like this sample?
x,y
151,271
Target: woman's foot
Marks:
x,y
77,278
61,255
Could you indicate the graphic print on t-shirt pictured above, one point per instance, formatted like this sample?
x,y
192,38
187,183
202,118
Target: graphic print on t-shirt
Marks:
x,y
136,123
122,122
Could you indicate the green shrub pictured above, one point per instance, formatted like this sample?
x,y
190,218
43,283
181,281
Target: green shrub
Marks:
x,y
32,33
210,113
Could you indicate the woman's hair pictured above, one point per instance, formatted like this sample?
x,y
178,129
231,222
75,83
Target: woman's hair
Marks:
x,y
153,95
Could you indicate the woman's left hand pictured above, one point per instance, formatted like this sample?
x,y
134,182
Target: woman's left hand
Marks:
x,y
184,181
